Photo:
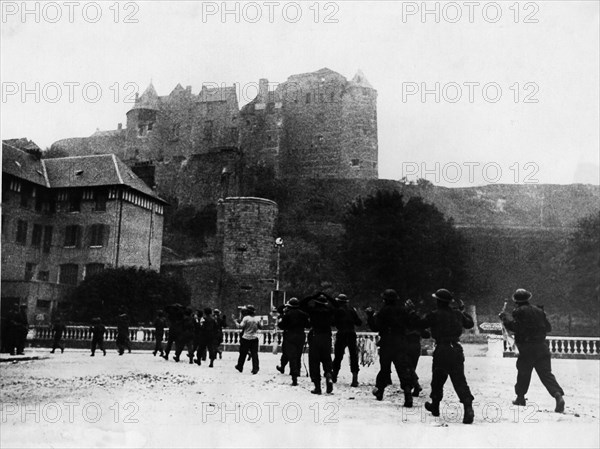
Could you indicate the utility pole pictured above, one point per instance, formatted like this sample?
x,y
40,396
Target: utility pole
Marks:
x,y
278,245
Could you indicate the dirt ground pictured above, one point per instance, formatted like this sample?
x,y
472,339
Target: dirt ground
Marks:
x,y
137,400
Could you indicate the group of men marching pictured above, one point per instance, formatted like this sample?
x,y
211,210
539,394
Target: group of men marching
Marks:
x,y
399,325
400,329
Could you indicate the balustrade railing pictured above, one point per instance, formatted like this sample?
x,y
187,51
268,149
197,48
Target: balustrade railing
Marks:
x,y
568,346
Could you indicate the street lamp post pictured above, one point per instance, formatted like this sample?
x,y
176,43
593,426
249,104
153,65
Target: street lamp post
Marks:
x,y
278,245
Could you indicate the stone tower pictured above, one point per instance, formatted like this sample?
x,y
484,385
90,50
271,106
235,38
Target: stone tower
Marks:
x,y
245,228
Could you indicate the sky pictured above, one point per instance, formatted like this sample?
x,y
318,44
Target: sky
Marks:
x,y
468,93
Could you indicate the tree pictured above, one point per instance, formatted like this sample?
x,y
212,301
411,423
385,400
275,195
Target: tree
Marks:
x,y
136,291
583,264
408,246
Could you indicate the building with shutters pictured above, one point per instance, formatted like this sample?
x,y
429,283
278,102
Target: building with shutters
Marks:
x,y
65,219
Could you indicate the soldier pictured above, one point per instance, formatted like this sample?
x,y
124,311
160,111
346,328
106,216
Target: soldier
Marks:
x,y
414,333
186,336
58,328
530,326
249,338
391,322
284,360
199,346
210,336
22,327
221,320
320,309
447,326
175,315
346,318
123,340
98,330
159,332
293,323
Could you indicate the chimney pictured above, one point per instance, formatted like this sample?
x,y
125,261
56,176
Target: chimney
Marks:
x,y
120,126
145,171
263,90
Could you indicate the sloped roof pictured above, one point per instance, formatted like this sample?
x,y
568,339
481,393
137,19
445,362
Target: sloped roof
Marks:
x,y
361,80
76,171
23,165
216,93
148,100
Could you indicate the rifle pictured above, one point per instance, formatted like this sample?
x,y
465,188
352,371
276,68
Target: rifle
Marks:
x,y
508,339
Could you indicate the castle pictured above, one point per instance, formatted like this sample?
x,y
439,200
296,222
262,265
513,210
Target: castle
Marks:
x,y
314,125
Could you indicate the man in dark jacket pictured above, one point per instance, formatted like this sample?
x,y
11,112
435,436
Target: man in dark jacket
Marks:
x,y
414,333
284,360
186,336
530,326
159,332
58,328
293,323
123,341
346,318
22,327
391,322
221,320
175,316
210,336
446,326
320,309
98,330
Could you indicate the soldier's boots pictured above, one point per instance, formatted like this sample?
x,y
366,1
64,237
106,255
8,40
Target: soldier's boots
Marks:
x,y
176,358
433,407
211,364
294,381
334,376
469,414
416,391
281,369
408,399
378,393
317,389
520,401
329,383
560,403
354,380
191,359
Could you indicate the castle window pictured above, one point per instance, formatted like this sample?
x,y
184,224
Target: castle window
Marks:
x,y
47,238
93,268
308,98
43,276
97,233
29,270
355,162
36,235
208,129
21,232
43,304
75,201
25,195
141,130
72,236
150,126
175,132
374,164
68,274
100,199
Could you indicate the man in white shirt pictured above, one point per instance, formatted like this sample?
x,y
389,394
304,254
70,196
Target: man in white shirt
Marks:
x,y
250,325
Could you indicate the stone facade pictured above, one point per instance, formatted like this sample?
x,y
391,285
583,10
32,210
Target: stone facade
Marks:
x,y
65,218
315,124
